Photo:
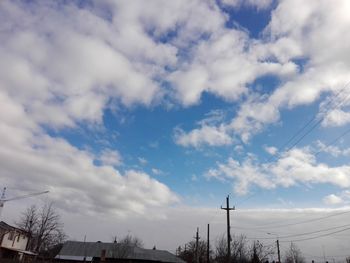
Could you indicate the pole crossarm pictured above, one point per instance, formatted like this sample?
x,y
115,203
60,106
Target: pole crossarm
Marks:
x,y
228,209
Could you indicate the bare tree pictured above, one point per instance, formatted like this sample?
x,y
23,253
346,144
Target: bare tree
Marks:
x,y
239,249
189,250
221,250
124,247
259,252
131,241
294,255
44,227
28,222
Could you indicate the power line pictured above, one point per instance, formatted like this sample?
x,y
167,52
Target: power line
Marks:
x,y
315,117
310,238
314,126
250,228
298,132
310,220
333,141
296,223
284,221
306,233
314,232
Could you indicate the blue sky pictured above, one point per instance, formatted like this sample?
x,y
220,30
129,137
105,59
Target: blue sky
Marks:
x,y
167,104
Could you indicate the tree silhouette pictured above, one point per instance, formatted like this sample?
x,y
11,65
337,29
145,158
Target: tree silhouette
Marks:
x,y
294,255
44,227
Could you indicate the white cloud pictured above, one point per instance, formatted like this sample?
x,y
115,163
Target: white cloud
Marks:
x,y
271,150
248,121
32,160
117,54
205,135
239,149
89,67
224,65
297,166
251,116
212,118
332,199
142,160
61,65
156,171
209,132
244,175
332,149
294,34
341,198
110,157
65,63
336,118
259,4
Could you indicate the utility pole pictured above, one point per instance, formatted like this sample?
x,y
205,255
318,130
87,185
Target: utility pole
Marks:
x,y
278,251
208,245
197,243
227,208
85,248
324,254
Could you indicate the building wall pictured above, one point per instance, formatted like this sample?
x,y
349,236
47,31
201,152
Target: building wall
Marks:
x,y
15,239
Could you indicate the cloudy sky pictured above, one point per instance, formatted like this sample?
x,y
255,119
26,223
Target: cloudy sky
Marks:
x,y
142,116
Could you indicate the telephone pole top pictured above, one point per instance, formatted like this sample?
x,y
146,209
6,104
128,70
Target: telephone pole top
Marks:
x,y
228,209
197,245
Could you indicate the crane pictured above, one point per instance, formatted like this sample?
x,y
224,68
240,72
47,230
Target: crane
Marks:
x,y
3,198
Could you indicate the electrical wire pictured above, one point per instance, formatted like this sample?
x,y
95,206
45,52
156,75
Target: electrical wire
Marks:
x,y
306,233
333,141
309,220
292,224
249,228
323,115
315,117
314,232
314,126
319,236
284,221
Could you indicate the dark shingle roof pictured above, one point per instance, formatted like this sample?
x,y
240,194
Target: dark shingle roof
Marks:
x,y
94,249
5,226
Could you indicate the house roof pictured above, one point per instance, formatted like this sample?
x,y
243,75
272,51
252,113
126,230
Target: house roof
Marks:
x,y
74,258
6,227
26,252
93,249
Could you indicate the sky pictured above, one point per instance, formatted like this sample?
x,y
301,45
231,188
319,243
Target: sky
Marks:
x,y
142,116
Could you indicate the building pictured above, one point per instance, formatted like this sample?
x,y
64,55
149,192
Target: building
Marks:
x,y
73,252
13,242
